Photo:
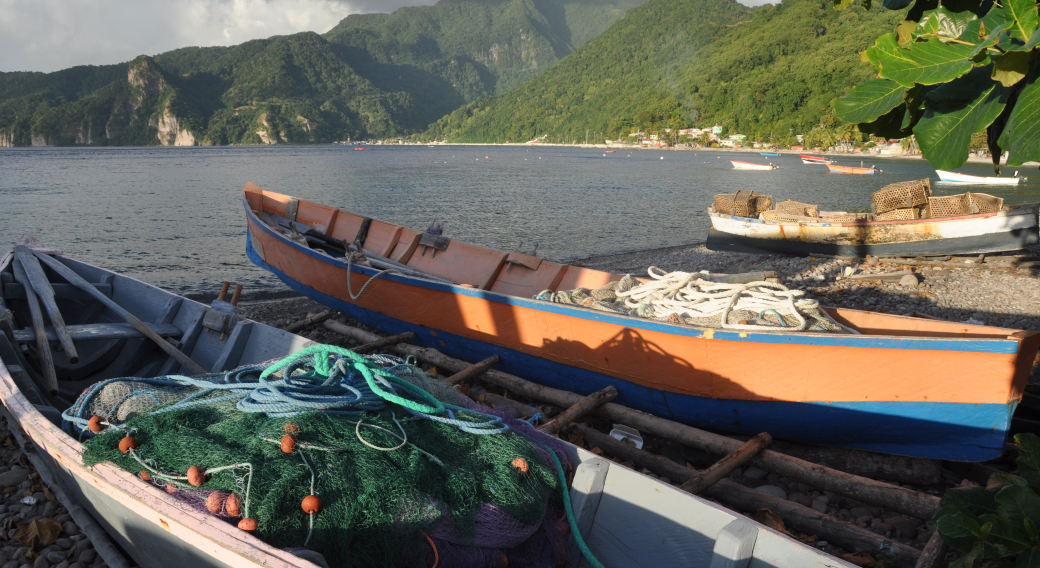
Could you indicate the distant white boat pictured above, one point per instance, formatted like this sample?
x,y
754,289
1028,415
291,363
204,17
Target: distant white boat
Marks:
x,y
954,177
824,162
751,166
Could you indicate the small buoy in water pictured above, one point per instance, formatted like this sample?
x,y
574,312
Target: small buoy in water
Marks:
x,y
232,505
196,476
128,443
215,501
520,464
311,504
145,475
487,157
288,443
248,524
662,157
95,425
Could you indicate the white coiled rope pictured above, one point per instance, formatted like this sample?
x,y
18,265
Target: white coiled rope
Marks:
x,y
685,293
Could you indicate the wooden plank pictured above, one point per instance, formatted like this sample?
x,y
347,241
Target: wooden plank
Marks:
x,y
586,492
934,553
735,545
95,331
186,344
236,343
77,280
15,291
723,467
315,319
900,499
43,346
42,286
579,409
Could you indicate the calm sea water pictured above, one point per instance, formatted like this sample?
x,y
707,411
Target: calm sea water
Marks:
x,y
173,217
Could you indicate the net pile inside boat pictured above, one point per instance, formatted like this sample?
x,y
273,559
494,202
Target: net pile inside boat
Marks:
x,y
409,471
690,298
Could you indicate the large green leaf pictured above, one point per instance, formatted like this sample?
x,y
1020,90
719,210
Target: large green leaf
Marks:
x,y
941,22
889,125
866,102
959,529
1024,15
896,4
968,560
978,500
1006,533
994,37
927,63
1019,503
1021,136
1028,444
1028,559
955,111
1011,67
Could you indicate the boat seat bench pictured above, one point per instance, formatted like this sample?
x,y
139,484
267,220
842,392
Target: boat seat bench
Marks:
x,y
93,331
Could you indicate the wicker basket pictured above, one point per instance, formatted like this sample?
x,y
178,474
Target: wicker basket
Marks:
x,y
847,218
903,195
985,202
949,206
742,203
904,214
797,208
779,217
723,203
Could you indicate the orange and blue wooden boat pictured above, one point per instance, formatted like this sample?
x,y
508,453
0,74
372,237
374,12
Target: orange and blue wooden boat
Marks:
x,y
851,170
907,385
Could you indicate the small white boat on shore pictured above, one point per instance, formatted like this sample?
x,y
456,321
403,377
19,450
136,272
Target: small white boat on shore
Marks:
x,y
752,166
954,177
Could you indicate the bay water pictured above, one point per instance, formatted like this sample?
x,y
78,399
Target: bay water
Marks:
x,y
174,217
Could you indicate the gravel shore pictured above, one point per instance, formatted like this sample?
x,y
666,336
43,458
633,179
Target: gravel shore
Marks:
x,y
26,502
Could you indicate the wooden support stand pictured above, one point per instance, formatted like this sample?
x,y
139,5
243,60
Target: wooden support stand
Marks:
x,y
899,499
473,371
735,495
723,467
581,408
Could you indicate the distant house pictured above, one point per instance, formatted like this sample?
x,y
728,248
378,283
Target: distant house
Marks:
x,y
716,129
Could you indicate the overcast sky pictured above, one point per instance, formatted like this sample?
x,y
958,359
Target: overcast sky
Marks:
x,y
47,35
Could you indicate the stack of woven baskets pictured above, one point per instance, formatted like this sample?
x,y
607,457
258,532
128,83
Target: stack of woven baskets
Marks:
x,y
902,201
743,203
964,204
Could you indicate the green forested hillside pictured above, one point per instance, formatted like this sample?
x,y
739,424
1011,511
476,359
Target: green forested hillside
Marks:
x,y
376,75
767,72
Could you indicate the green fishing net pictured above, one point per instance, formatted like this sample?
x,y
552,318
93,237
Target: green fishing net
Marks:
x,y
397,487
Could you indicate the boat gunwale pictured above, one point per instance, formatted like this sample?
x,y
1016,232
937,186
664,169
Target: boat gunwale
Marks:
x,y
1005,345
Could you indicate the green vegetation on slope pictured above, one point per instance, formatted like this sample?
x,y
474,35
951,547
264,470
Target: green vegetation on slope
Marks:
x,y
767,72
374,75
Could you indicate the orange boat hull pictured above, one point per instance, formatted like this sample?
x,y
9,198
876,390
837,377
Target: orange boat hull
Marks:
x,y
907,385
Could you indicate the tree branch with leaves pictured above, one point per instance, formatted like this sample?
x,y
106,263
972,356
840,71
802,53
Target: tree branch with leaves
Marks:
x,y
952,69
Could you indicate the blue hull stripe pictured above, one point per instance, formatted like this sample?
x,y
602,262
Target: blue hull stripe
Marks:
x,y
954,431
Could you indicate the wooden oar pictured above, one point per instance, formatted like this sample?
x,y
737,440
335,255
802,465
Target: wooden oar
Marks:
x,y
45,293
50,377
78,281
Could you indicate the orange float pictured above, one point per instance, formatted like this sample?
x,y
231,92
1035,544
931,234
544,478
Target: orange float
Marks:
x,y
248,524
232,506
145,475
196,476
128,443
95,424
288,443
215,501
311,504
520,464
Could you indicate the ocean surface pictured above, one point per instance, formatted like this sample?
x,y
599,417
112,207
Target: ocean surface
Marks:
x,y
173,217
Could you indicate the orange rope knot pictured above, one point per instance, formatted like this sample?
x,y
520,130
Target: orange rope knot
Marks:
x,y
520,464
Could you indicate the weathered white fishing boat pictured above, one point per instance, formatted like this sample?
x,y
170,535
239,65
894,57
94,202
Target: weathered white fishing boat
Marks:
x,y
954,177
1012,228
752,166
627,519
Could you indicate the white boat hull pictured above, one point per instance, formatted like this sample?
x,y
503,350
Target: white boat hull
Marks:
x,y
1012,229
954,177
751,166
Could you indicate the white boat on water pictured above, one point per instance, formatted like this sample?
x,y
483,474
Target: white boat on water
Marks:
x,y
752,166
954,177
824,162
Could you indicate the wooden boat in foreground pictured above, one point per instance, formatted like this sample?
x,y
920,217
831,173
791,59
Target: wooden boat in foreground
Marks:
x,y
851,170
627,518
1012,228
737,164
954,177
905,385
